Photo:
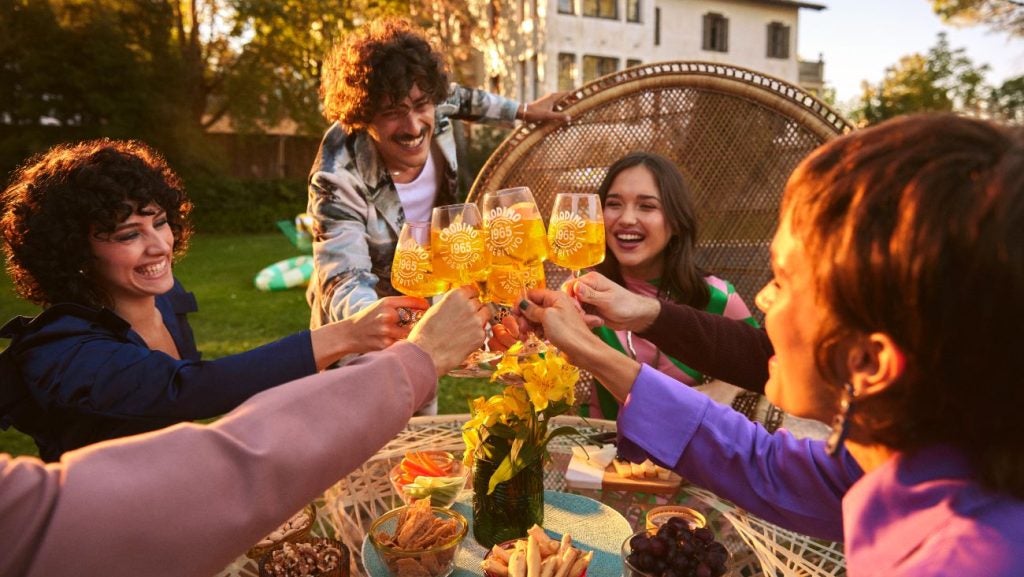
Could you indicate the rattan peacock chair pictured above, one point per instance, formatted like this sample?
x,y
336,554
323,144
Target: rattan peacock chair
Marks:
x,y
736,135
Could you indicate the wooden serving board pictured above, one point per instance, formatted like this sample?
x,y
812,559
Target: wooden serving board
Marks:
x,y
615,482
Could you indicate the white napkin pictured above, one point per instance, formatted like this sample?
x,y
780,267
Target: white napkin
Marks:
x,y
586,469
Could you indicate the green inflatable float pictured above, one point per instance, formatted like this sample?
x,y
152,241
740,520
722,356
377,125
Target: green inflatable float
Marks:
x,y
288,273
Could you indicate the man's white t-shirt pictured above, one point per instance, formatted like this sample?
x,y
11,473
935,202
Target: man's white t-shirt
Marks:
x,y
418,196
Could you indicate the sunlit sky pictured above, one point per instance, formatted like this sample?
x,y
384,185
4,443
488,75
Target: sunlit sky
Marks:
x,y
859,39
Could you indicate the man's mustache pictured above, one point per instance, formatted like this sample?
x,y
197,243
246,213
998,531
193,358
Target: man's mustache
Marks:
x,y
400,137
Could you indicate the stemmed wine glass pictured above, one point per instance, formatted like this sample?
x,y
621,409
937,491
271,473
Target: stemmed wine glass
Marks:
x,y
459,255
517,242
412,270
576,231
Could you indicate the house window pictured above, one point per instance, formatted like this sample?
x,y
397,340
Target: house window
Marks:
x,y
631,62
566,6
716,32
601,9
597,66
566,71
657,26
778,40
632,10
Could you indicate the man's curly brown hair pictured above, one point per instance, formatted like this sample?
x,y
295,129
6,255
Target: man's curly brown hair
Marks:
x,y
57,199
376,67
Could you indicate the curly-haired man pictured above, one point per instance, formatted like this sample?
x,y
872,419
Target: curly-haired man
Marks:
x,y
388,157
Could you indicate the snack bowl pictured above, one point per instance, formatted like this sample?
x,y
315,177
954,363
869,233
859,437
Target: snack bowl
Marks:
x,y
641,550
433,544
311,557
296,528
658,516
508,546
443,491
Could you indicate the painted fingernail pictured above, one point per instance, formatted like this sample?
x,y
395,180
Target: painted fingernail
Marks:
x,y
523,304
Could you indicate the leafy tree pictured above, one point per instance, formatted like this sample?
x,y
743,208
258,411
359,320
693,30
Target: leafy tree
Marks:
x,y
166,70
1005,15
942,80
1006,102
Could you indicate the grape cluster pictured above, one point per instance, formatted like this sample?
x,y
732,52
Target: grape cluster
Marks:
x,y
678,551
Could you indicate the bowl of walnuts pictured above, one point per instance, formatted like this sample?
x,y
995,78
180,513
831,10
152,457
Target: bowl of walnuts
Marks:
x,y
312,557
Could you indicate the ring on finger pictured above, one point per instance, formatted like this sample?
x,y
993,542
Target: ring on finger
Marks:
x,y
405,316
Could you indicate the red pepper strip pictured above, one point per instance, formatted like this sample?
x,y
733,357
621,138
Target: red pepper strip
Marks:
x,y
424,463
413,469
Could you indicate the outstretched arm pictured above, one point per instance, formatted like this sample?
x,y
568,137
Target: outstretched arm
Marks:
x,y
189,499
727,349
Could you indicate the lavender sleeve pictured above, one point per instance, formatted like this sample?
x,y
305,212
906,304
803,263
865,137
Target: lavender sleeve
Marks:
x,y
791,482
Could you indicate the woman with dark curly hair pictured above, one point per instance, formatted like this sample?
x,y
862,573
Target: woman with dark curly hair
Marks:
x,y
895,312
651,232
388,157
91,231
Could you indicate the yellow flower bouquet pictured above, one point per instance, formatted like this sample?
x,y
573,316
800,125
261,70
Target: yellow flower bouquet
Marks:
x,y
507,437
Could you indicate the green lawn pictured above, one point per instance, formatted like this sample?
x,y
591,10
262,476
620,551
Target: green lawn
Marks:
x,y
233,316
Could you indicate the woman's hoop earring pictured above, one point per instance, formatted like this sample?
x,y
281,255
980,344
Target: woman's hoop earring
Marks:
x,y
841,422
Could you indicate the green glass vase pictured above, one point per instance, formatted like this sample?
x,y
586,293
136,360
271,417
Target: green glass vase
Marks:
x,y
512,508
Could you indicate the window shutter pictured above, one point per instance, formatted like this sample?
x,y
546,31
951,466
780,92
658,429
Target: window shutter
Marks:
x,y
707,32
657,26
785,41
725,34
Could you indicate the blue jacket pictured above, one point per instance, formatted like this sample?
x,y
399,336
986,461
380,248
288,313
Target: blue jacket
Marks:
x,y
75,375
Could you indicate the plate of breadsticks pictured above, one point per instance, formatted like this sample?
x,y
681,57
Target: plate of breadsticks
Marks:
x,y
537,555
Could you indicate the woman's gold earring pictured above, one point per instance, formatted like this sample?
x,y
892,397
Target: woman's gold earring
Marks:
x,y
841,422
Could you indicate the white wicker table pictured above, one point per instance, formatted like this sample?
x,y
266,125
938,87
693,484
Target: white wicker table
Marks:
x,y
346,510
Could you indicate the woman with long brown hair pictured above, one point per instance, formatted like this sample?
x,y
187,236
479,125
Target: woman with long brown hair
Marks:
x,y
651,237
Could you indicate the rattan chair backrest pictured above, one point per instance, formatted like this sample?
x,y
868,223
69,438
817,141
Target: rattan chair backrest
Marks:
x,y
735,134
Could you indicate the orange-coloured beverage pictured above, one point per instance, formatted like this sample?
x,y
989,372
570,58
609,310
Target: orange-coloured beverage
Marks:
x,y
576,244
506,283
412,274
460,254
516,239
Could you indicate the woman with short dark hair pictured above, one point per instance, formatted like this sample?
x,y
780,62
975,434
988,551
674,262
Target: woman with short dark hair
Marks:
x,y
91,231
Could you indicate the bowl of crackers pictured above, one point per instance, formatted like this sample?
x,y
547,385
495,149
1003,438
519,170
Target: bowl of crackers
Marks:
x,y
418,540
